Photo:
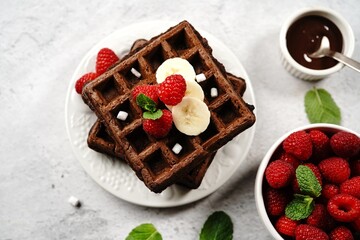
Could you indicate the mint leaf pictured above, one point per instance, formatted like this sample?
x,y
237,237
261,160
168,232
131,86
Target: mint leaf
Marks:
x,y
321,108
300,207
308,182
217,227
153,115
145,231
145,102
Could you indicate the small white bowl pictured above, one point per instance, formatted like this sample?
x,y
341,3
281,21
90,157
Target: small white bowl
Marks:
x,y
297,69
259,200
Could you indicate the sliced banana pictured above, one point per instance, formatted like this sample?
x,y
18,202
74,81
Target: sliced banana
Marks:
x,y
175,66
191,116
193,89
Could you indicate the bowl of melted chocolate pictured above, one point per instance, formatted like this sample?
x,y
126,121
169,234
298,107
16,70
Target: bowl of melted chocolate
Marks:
x,y
301,35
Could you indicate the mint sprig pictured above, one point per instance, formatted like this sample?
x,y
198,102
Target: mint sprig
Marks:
x,y
308,182
300,207
303,204
320,107
217,227
145,231
153,115
150,106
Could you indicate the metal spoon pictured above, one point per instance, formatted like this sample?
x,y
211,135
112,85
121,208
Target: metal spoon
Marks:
x,y
324,50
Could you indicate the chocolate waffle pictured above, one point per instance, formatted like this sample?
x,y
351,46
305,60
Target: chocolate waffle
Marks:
x,y
100,141
152,159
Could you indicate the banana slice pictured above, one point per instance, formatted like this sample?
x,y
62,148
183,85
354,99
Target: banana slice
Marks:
x,y
175,66
191,116
193,89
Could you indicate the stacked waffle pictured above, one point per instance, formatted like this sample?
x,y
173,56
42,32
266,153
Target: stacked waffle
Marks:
x,y
152,159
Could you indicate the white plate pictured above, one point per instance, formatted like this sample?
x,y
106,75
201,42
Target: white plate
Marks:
x,y
115,176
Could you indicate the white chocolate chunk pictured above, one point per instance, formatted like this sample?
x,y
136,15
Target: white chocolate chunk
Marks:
x,y
74,201
200,77
177,148
135,72
122,115
214,92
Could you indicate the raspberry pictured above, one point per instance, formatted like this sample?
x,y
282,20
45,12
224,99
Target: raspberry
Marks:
x,y
286,157
344,208
80,83
321,144
320,218
149,90
276,201
351,187
335,169
355,167
341,233
345,144
104,59
295,186
172,90
356,225
160,127
315,170
298,144
279,174
286,226
307,232
329,191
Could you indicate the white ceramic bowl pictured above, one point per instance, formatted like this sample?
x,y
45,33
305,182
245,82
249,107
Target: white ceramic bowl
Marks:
x,y
302,72
261,170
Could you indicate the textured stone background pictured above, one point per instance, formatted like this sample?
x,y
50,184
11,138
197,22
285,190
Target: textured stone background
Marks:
x,y
42,42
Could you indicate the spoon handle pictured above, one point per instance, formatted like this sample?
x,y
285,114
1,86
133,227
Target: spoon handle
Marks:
x,y
345,60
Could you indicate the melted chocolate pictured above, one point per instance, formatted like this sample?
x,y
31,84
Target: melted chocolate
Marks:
x,y
304,37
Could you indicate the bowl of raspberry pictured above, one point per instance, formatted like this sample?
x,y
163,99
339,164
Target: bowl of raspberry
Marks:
x,y
308,184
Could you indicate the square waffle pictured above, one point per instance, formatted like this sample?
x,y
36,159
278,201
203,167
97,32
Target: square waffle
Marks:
x,y
100,141
152,159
